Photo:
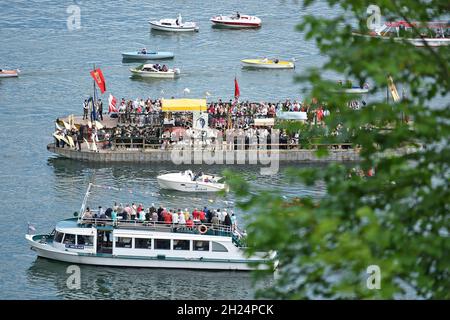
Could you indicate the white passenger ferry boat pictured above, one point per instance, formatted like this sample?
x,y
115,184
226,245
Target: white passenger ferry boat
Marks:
x,y
144,244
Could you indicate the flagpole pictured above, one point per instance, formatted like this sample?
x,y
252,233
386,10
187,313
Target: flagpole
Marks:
x,y
93,98
94,86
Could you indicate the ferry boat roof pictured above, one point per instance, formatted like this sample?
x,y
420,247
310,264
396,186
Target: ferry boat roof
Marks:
x,y
71,226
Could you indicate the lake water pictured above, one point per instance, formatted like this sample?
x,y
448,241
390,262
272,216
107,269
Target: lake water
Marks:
x,y
39,188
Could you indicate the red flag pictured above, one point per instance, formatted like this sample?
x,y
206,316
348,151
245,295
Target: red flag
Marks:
x,y
99,79
112,104
237,93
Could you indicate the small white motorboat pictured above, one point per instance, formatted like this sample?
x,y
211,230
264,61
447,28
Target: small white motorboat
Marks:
x,y
175,25
154,71
9,73
147,55
236,21
268,64
188,182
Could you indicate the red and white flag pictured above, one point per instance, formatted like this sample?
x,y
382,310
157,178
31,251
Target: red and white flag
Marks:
x,y
112,104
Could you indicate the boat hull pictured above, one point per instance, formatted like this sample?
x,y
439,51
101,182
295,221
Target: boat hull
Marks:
x,y
160,261
355,90
157,26
230,22
234,25
157,75
187,186
148,56
9,74
431,42
261,65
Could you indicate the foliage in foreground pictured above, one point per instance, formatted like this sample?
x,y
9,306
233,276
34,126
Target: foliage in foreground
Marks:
x,y
397,219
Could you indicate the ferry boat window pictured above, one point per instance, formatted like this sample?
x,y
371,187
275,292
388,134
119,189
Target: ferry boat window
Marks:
x,y
140,243
217,247
181,244
201,245
85,240
69,239
162,244
122,242
58,236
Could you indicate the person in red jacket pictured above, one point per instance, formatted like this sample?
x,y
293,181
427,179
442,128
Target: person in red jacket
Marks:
x,y
190,223
202,216
196,214
167,217
320,114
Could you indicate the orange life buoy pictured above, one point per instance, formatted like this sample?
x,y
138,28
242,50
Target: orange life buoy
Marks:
x,y
202,229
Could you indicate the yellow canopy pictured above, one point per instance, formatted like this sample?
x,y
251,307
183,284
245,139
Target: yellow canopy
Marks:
x,y
171,105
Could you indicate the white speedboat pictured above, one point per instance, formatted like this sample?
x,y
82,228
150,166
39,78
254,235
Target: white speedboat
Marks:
x,y
268,64
146,55
9,73
188,182
236,21
174,25
154,71
151,244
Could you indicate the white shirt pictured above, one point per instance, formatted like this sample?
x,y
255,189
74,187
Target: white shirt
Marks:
x,y
174,217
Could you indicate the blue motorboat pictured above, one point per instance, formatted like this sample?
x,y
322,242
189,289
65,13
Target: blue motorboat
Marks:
x,y
147,55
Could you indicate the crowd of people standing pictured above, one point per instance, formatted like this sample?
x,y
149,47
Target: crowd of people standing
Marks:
x,y
138,213
145,123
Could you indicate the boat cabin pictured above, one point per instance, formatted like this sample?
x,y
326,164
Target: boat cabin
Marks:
x,y
136,238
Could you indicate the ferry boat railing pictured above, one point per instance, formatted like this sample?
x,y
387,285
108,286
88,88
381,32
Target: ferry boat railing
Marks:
x,y
139,143
154,118
197,228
